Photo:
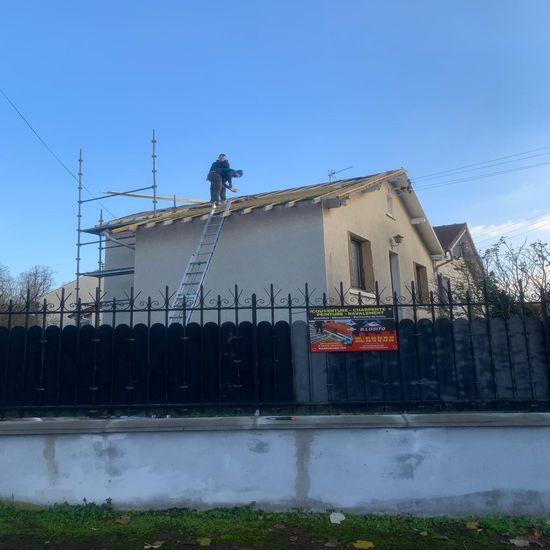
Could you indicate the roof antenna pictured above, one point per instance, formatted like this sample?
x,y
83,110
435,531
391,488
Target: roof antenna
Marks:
x,y
333,172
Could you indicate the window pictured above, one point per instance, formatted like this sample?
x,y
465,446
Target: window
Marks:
x,y
389,206
457,251
443,287
361,266
421,282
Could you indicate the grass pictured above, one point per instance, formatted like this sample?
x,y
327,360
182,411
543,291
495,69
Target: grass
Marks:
x,y
91,526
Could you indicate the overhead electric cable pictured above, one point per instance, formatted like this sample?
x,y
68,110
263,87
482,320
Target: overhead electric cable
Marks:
x,y
487,165
481,164
49,149
480,176
510,233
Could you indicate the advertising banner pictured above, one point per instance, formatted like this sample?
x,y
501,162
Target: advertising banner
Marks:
x,y
352,328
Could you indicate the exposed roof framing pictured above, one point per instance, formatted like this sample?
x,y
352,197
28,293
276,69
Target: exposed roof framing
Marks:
x,y
338,190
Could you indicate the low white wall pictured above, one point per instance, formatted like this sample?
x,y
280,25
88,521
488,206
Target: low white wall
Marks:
x,y
457,464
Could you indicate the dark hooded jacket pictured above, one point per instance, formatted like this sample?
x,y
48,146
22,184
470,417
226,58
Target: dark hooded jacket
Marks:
x,y
228,176
220,166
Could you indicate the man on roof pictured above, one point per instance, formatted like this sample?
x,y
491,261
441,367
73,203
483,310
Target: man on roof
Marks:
x,y
227,181
220,165
220,177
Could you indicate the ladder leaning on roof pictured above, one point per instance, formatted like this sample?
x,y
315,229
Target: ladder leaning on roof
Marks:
x,y
188,293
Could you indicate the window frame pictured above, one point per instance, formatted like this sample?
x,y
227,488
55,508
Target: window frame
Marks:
x,y
360,259
421,282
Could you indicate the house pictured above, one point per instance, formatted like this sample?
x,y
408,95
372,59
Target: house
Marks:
x,y
359,232
66,296
462,268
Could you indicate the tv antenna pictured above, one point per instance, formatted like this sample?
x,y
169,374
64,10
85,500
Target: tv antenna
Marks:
x,y
334,172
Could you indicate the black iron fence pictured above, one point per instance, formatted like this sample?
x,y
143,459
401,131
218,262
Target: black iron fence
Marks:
x,y
242,354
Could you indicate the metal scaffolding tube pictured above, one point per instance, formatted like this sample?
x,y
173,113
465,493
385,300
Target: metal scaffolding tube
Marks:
x,y
154,142
79,227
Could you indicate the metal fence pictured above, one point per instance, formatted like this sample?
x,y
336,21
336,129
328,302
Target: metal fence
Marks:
x,y
247,353
236,305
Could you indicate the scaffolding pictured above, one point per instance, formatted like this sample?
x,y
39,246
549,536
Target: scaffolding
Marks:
x,y
105,240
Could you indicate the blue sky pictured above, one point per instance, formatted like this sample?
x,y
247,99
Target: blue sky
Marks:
x,y
287,89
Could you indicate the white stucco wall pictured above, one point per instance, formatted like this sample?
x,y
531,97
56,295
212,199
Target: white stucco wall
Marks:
x,y
118,257
283,246
451,464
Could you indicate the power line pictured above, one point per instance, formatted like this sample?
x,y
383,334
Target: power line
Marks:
x,y
480,176
534,226
481,165
488,165
49,149
509,231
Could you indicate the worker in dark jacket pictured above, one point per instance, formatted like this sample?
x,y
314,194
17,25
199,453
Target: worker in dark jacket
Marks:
x,y
216,178
227,181
220,165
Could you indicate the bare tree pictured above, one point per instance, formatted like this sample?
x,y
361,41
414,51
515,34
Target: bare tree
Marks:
x,y
7,285
522,272
34,283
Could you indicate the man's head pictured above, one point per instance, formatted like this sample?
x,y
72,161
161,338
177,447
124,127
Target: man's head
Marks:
x,y
222,157
238,173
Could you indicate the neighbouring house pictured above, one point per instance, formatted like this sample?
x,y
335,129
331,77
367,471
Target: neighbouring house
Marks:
x,y
67,294
462,267
360,232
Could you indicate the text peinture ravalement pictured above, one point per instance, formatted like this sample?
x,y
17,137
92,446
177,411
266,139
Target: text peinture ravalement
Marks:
x,y
456,464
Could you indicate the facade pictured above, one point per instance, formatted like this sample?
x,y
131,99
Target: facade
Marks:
x,y
462,267
348,234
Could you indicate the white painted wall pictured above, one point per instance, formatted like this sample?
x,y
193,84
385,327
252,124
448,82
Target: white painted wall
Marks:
x,y
476,469
283,246
118,257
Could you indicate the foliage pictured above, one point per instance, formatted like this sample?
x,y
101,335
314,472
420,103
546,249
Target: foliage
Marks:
x,y
101,526
513,277
521,272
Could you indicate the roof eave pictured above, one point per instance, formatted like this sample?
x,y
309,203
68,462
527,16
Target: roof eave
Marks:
x,y
415,210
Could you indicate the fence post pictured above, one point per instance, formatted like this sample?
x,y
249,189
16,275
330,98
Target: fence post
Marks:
x,y
256,372
471,342
526,339
27,309
272,303
490,340
435,347
62,309
414,305
149,306
452,318
132,307
401,373
166,306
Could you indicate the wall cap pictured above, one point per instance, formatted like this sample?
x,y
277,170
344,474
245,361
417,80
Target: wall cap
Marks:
x,y
40,426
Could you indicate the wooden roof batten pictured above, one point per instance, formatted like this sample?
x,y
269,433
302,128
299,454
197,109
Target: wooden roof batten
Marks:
x,y
288,198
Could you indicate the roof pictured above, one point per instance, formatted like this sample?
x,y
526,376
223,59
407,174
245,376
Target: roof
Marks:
x,y
247,203
326,193
448,235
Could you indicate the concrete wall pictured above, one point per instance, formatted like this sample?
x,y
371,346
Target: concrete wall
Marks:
x,y
451,464
283,246
366,216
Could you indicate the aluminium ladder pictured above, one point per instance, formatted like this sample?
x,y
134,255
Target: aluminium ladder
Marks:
x,y
188,293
